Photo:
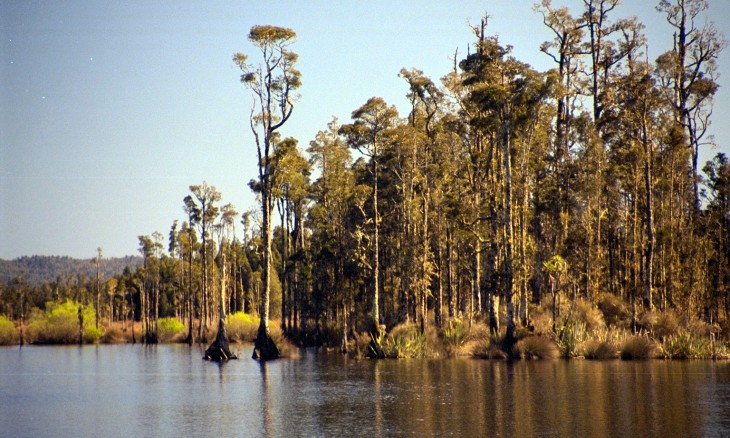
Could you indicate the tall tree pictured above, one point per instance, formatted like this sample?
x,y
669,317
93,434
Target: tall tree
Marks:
x,y
219,350
367,134
509,94
204,214
273,84
689,70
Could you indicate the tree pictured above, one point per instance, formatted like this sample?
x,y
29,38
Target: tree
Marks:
x,y
203,213
367,134
97,262
689,72
273,84
219,350
509,95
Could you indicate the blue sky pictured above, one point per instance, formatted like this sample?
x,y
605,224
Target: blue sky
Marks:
x,y
110,110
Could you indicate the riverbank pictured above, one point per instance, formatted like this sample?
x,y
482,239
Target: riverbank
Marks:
x,y
457,339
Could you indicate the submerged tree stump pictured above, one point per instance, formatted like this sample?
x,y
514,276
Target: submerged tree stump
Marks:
x,y
264,348
219,350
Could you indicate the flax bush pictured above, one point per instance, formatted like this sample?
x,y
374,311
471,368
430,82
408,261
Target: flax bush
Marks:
x,y
685,345
405,340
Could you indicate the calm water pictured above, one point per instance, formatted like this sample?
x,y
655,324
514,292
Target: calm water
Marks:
x,y
167,390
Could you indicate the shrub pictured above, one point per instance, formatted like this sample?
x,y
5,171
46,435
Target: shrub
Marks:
x,y
8,332
170,330
638,347
660,324
59,324
588,314
242,327
542,319
537,347
478,342
614,310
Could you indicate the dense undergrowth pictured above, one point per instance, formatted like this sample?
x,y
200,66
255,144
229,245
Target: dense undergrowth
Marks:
x,y
600,331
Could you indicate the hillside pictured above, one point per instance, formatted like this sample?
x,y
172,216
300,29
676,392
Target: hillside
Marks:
x,y
38,269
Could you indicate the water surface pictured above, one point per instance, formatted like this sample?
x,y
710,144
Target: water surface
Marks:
x,y
167,390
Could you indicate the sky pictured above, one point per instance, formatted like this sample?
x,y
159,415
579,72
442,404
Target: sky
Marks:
x,y
110,110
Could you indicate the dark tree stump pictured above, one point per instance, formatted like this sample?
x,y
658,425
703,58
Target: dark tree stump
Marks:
x,y
264,348
219,350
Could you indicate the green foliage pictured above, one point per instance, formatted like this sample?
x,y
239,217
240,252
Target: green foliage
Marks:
x,y
405,340
59,324
570,335
685,345
8,332
242,327
170,330
455,334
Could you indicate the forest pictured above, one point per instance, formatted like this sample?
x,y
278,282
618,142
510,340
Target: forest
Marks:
x,y
510,212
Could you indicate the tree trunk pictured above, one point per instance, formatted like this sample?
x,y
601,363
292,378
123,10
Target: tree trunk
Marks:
x,y
219,351
264,347
509,339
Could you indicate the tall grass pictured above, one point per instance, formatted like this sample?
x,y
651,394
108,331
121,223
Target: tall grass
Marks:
x,y
537,347
685,345
638,347
598,349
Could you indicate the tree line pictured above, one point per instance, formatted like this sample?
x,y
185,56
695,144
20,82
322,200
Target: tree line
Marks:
x,y
502,190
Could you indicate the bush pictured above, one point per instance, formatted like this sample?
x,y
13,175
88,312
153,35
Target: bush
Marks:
x,y
478,342
589,315
170,330
537,347
660,324
8,332
638,347
59,324
242,327
614,310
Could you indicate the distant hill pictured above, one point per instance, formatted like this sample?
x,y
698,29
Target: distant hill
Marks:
x,y
37,269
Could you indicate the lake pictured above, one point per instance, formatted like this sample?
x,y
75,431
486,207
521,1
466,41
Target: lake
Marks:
x,y
168,390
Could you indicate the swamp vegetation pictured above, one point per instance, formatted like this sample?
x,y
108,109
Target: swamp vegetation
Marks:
x,y
510,213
